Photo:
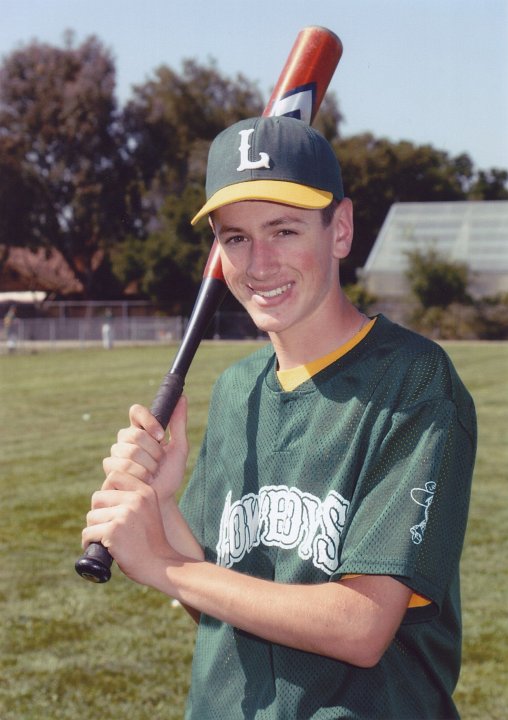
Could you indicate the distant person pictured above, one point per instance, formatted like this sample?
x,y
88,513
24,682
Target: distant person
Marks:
x,y
317,543
107,330
11,329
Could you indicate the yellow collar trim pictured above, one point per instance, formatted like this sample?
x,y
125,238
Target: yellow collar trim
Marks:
x,y
291,379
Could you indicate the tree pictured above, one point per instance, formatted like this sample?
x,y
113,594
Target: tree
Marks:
x,y
167,266
173,117
18,196
329,118
67,155
445,309
435,281
378,173
490,185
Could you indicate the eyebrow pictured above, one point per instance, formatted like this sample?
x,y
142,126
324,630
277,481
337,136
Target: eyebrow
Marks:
x,y
276,222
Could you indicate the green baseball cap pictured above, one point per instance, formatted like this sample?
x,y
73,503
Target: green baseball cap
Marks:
x,y
275,159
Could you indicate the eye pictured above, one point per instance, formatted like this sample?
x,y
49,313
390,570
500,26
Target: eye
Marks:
x,y
234,240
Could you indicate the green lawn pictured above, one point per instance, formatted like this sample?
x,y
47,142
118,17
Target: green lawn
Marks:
x,y
74,650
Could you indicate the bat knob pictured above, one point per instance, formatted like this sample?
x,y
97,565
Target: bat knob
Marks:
x,y
95,564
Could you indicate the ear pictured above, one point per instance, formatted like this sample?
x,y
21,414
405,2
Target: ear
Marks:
x,y
343,229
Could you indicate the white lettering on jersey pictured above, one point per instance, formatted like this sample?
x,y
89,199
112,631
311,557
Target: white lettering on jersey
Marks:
x,y
285,518
245,163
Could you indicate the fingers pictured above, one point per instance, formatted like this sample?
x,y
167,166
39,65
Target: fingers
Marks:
x,y
132,459
141,417
120,494
129,524
145,427
119,489
95,533
127,467
119,480
107,506
138,454
137,436
137,450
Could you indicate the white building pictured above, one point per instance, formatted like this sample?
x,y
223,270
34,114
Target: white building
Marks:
x,y
475,233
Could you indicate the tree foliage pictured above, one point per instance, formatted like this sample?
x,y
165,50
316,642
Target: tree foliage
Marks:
x,y
435,281
490,185
329,118
18,197
114,189
167,265
444,307
67,181
172,118
171,121
378,173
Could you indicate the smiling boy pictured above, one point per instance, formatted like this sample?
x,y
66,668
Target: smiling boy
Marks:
x,y
282,264
294,546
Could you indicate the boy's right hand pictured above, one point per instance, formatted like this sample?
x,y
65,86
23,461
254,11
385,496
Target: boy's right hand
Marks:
x,y
142,451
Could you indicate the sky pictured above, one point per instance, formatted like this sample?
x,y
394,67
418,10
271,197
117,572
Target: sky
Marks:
x,y
428,71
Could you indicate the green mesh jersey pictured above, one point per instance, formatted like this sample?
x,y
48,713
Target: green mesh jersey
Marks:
x,y
365,468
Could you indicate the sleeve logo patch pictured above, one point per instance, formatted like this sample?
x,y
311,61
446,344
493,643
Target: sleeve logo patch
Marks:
x,y
423,497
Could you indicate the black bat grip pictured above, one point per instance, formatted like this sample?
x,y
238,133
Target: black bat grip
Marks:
x,y
167,397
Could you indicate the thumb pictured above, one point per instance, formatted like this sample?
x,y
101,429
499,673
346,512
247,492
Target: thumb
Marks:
x,y
178,425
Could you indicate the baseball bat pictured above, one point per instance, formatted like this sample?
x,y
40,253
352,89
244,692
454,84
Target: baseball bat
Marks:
x,y
298,93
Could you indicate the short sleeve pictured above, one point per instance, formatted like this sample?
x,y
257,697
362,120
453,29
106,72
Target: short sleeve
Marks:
x,y
410,510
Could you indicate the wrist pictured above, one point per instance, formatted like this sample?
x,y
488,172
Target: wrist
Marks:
x,y
168,573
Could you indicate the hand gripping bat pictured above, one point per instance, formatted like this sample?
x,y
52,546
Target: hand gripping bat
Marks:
x,y
298,93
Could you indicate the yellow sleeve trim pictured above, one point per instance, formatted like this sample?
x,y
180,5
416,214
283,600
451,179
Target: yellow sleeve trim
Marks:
x,y
414,601
291,379
418,601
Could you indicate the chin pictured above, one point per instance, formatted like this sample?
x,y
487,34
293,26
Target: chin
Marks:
x,y
270,320
269,325
263,322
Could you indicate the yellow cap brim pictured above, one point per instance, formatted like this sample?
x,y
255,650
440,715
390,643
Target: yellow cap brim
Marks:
x,y
277,191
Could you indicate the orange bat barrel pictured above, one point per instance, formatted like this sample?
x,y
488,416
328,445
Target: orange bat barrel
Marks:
x,y
306,75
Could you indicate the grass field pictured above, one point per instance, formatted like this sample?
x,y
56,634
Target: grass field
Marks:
x,y
72,650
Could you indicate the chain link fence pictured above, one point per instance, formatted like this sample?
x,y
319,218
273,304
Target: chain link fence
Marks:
x,y
57,332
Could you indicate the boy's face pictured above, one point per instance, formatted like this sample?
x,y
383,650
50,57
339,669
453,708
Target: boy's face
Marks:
x,y
281,263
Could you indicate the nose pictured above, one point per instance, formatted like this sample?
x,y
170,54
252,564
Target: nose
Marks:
x,y
263,262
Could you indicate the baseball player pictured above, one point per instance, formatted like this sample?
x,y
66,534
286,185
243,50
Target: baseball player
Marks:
x,y
317,543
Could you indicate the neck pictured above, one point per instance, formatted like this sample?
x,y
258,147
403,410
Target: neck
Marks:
x,y
296,348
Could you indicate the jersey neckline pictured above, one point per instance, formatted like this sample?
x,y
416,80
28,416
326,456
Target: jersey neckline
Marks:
x,y
290,380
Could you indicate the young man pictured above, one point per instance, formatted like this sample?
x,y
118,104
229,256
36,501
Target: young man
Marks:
x,y
318,541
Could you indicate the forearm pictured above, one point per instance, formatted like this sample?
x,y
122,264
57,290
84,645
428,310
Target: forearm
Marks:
x,y
180,537
332,619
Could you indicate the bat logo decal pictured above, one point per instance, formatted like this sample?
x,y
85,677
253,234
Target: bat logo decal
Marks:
x,y
297,103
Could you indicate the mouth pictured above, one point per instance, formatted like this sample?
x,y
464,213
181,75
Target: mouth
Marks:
x,y
275,292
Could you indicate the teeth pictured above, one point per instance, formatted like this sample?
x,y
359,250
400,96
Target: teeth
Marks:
x,y
273,293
